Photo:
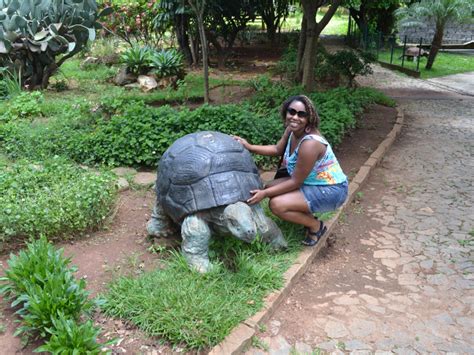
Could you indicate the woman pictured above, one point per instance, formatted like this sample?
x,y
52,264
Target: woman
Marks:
x,y
316,182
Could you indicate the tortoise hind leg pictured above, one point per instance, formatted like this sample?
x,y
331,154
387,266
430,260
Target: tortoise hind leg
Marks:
x,y
160,225
195,246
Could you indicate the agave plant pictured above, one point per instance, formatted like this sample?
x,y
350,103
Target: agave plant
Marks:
x,y
34,33
167,62
137,59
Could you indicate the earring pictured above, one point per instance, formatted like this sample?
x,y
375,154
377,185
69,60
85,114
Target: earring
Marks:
x,y
307,129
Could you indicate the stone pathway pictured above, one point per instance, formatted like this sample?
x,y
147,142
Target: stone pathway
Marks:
x,y
401,279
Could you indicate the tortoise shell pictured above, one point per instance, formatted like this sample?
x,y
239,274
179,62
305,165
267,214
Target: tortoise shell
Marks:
x,y
204,170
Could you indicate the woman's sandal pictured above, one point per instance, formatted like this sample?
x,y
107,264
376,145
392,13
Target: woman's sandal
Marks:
x,y
310,242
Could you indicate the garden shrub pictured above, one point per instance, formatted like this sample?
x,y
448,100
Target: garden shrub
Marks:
x,y
350,63
124,131
41,284
53,198
23,105
163,63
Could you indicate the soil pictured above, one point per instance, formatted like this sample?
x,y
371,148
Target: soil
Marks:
x,y
122,246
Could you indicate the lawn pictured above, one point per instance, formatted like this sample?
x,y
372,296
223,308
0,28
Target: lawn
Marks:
x,y
445,63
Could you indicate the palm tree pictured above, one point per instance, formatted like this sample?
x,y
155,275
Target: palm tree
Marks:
x,y
441,12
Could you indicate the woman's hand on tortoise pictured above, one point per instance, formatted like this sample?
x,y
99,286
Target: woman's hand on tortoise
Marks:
x,y
258,195
242,141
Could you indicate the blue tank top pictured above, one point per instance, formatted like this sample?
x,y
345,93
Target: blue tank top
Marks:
x,y
326,171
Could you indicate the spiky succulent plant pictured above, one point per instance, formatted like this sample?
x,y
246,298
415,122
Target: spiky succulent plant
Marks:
x,y
37,36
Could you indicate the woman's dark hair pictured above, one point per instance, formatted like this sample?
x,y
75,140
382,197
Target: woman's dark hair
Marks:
x,y
313,117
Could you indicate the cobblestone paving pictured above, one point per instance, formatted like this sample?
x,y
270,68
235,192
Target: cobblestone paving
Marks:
x,y
414,290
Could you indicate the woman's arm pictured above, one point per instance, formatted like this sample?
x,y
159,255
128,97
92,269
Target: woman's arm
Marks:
x,y
309,152
270,150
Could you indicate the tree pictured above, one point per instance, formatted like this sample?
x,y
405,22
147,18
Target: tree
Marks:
x,y
225,19
198,7
273,13
441,12
176,14
310,31
370,14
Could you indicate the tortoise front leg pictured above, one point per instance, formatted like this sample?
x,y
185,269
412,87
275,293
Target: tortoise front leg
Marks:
x,y
268,229
195,246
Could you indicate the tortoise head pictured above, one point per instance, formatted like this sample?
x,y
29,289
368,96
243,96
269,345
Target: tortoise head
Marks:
x,y
240,222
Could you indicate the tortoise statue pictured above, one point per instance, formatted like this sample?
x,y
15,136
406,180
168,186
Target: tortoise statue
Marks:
x,y
203,181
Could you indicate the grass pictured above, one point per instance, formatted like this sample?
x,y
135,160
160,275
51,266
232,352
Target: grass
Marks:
x,y
445,63
195,310
336,26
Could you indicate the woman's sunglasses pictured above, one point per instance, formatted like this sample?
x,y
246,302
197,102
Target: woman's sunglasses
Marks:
x,y
301,114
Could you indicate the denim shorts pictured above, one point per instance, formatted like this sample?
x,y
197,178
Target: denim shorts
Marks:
x,y
325,198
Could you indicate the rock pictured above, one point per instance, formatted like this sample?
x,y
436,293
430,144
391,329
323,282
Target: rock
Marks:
x,y
335,329
279,345
122,184
145,179
147,83
123,77
356,345
438,279
303,348
361,327
346,300
132,86
124,171
89,61
274,327
386,254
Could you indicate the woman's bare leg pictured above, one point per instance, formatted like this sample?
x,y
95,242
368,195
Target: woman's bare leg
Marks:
x,y
292,207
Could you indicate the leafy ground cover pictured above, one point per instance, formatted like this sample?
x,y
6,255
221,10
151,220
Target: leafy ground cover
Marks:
x,y
445,63
51,197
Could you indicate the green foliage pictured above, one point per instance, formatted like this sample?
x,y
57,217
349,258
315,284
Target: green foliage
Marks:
x,y
10,84
125,131
198,310
328,67
69,338
137,59
24,105
49,300
53,198
132,21
167,63
40,281
164,63
34,33
349,63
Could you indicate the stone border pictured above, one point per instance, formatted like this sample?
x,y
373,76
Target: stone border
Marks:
x,y
241,335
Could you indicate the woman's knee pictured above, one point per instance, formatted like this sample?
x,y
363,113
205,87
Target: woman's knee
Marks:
x,y
276,206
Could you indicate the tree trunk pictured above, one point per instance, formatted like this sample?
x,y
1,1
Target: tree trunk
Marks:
x,y
309,55
300,53
313,30
435,44
181,28
198,7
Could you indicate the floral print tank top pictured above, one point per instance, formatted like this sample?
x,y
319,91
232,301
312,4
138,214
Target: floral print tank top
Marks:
x,y
326,171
